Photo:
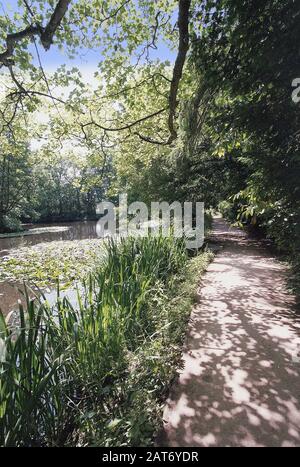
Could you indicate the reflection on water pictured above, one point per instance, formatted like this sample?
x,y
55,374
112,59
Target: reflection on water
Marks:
x,y
13,293
10,292
66,231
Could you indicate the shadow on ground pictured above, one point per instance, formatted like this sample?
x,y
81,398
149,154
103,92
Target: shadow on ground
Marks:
x,y
240,381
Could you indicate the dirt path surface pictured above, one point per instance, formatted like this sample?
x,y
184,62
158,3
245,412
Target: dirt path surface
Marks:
x,y
240,382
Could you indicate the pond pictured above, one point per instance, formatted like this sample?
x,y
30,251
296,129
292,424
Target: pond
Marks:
x,y
34,234
11,291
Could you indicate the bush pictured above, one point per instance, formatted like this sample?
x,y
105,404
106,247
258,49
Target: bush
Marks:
x,y
10,224
228,210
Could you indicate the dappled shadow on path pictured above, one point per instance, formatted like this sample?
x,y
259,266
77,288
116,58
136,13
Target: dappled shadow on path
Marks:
x,y
240,381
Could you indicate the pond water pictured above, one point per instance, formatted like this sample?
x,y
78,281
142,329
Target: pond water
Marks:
x,y
11,292
34,234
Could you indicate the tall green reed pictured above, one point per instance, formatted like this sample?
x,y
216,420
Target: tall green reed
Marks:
x,y
30,397
62,360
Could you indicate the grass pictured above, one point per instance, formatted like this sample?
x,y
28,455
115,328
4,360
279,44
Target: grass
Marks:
x,y
137,418
98,373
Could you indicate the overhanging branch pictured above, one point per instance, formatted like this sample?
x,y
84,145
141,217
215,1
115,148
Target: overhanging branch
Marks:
x,y
183,26
183,46
128,126
55,20
46,34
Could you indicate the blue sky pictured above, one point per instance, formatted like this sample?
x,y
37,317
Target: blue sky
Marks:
x,y
85,59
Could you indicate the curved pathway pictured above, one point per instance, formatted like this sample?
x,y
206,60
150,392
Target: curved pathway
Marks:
x,y
240,382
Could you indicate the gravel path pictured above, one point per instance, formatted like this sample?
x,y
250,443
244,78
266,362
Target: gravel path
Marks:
x,y
240,382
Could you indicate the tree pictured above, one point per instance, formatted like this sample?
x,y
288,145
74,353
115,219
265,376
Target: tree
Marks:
x,y
248,57
15,183
91,24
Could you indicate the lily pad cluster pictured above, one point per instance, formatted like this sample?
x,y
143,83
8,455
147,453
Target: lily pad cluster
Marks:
x,y
45,263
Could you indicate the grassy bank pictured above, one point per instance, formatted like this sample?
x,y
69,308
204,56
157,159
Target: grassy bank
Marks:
x,y
98,374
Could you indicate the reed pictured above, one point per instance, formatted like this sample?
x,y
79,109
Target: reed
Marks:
x,y
61,360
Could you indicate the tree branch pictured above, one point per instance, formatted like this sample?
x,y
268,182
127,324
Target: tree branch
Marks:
x,y
55,20
147,139
124,127
46,34
183,25
12,39
37,93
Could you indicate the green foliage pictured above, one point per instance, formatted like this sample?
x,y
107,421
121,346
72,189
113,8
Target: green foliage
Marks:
x,y
10,224
241,127
31,403
228,211
82,373
68,184
238,150
15,176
